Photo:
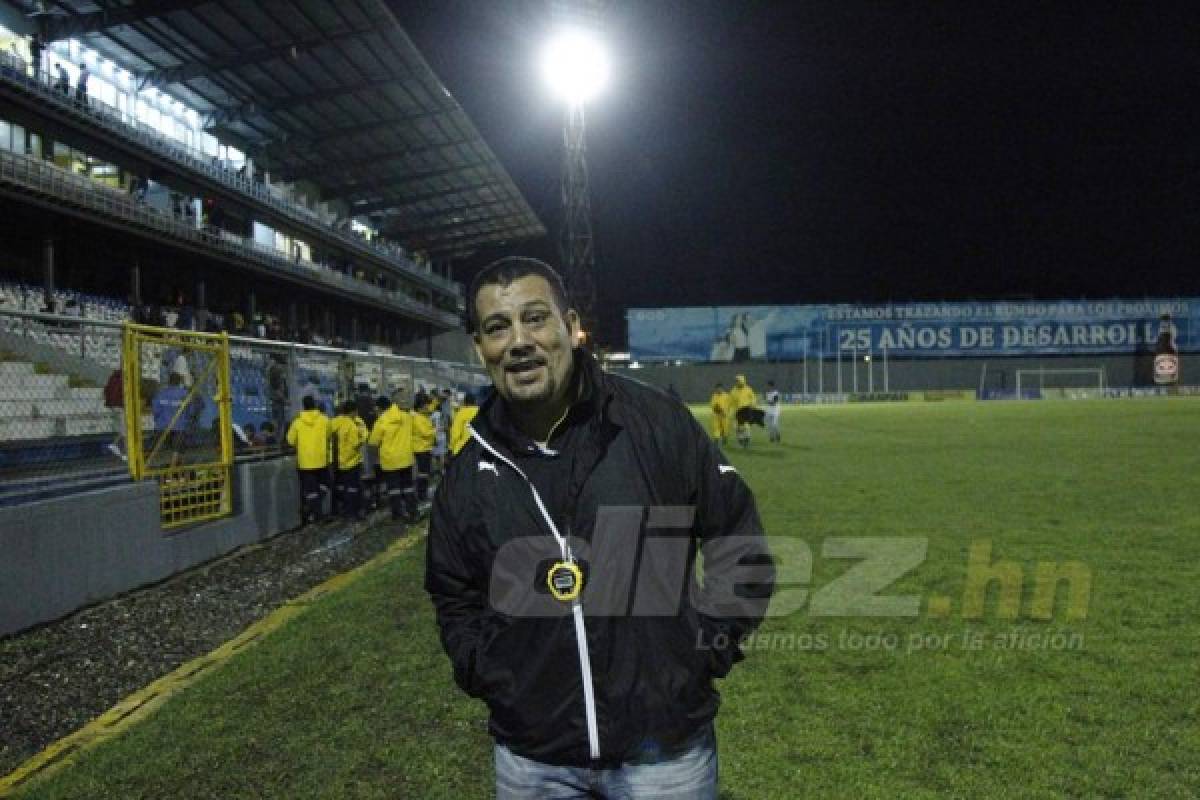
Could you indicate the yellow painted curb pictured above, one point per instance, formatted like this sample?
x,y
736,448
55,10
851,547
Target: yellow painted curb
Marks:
x,y
144,702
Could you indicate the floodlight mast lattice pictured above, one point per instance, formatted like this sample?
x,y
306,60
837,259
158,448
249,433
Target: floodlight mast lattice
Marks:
x,y
576,246
576,69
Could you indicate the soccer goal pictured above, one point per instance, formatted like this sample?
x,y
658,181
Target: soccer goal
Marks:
x,y
1071,378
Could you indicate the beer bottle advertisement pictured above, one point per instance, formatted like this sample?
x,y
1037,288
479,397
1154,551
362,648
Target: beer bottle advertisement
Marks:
x,y
1166,354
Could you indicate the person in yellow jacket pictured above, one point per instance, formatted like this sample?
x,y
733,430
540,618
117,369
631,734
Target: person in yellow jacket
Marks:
x,y
423,436
349,436
309,434
459,435
742,396
720,405
392,434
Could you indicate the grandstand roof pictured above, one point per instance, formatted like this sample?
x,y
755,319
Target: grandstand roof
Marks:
x,y
331,91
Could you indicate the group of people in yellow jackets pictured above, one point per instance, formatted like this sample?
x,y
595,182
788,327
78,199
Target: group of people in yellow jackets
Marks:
x,y
725,406
410,445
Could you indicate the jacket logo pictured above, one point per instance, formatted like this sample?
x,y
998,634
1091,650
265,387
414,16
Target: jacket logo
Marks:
x,y
486,465
723,468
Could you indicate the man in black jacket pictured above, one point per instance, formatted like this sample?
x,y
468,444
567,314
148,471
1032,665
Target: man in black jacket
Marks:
x,y
561,561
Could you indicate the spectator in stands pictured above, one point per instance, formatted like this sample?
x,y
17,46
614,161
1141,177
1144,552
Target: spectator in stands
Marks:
x,y
423,439
184,321
36,46
81,86
63,83
309,434
266,436
167,401
349,437
138,186
114,401
365,405
462,418
180,366
392,434
169,422
153,315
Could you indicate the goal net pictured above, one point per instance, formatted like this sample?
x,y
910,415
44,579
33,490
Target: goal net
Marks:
x,y
1082,378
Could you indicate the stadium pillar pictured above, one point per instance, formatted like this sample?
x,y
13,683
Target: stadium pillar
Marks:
x,y
48,271
135,283
353,331
201,295
428,341
293,316
251,309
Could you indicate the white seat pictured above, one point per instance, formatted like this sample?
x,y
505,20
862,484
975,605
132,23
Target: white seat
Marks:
x,y
15,408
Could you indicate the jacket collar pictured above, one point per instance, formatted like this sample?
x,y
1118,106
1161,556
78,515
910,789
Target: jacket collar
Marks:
x,y
593,393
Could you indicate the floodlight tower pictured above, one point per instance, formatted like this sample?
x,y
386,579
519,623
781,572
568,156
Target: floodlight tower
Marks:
x,y
576,68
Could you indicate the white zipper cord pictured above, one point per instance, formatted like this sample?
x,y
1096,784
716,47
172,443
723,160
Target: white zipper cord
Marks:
x,y
585,663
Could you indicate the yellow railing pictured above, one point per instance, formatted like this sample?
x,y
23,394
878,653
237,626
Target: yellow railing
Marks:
x,y
176,375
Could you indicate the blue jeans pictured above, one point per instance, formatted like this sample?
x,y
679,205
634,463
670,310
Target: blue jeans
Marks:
x,y
688,775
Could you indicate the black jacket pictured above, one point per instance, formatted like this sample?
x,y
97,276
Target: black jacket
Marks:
x,y
651,651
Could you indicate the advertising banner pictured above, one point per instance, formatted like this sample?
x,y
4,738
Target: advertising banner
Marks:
x,y
908,330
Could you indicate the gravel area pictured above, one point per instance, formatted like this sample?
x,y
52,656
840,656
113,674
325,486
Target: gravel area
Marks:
x,y
57,677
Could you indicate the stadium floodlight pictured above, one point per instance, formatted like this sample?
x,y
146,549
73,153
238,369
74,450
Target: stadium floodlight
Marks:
x,y
575,66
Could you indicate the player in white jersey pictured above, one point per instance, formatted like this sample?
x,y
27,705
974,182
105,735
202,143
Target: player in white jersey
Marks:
x,y
774,409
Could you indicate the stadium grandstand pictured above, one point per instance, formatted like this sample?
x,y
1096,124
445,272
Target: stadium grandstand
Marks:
x,y
279,188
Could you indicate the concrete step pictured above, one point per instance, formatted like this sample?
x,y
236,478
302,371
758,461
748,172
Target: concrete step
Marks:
x,y
26,428
15,370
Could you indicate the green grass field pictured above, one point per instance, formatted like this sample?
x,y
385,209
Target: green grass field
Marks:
x,y
355,700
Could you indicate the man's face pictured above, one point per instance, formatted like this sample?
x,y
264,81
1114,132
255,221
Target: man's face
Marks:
x,y
525,340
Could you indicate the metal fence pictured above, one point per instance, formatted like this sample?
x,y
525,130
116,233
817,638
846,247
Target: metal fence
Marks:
x,y
29,174
126,125
62,396
182,379
57,432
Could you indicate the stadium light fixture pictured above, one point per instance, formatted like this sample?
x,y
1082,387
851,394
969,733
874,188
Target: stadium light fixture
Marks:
x,y
575,66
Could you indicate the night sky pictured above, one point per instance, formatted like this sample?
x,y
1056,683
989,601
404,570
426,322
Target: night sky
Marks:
x,y
844,151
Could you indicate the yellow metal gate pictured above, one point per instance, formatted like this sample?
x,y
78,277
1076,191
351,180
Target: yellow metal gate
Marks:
x,y
179,420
